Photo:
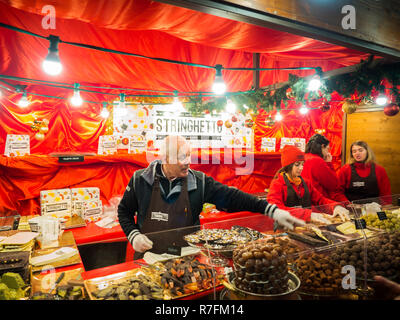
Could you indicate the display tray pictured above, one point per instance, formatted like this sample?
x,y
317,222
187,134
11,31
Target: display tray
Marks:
x,y
43,283
155,282
222,240
293,286
75,259
75,222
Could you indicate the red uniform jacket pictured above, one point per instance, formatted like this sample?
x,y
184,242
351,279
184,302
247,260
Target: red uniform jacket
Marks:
x,y
363,170
277,194
323,177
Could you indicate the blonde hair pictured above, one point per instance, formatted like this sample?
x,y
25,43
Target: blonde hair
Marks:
x,y
370,154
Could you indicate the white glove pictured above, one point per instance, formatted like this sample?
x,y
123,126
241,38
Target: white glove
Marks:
x,y
285,219
373,207
343,213
317,217
141,243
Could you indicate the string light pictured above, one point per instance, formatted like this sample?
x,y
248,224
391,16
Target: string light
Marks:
x,y
219,86
381,100
314,84
52,64
230,106
104,113
278,116
24,102
121,109
76,99
304,109
177,105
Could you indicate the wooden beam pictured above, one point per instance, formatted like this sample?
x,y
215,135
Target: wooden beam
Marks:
x,y
376,29
256,73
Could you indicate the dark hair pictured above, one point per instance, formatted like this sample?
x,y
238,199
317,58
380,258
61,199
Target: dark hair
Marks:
x,y
314,145
286,169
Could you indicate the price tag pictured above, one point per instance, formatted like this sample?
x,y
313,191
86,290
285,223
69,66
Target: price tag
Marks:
x,y
382,215
360,223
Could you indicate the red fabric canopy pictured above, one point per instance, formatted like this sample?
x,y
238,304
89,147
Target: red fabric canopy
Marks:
x,y
157,30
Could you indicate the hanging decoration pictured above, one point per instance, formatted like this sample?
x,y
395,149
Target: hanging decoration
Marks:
x,y
320,131
349,106
391,110
324,107
269,122
41,127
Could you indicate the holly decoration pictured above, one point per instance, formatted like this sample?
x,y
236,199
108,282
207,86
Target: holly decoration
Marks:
x,y
325,107
391,110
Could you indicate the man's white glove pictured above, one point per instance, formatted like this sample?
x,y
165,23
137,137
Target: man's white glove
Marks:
x,y
141,243
342,212
317,217
285,219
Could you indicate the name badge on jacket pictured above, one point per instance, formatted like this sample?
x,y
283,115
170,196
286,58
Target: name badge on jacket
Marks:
x,y
159,216
358,184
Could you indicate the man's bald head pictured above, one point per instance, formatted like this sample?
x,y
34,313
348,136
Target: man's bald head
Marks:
x,y
175,155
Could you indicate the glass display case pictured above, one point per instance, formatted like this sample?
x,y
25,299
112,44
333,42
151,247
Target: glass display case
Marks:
x,y
332,257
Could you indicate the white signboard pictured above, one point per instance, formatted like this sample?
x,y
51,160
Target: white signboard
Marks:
x,y
268,144
107,145
17,145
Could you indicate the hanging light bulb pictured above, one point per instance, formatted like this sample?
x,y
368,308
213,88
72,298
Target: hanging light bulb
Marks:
x,y
219,86
23,102
104,113
52,64
121,109
304,109
278,116
76,99
381,100
177,105
314,84
230,106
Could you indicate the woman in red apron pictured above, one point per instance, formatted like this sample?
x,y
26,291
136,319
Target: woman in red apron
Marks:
x,y
362,178
289,191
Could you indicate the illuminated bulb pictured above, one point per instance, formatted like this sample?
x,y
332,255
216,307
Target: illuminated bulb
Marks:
x,y
104,113
219,86
314,84
381,100
303,110
278,117
230,107
177,106
52,64
23,102
76,99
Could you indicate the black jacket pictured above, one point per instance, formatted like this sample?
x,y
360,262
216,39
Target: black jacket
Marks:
x,y
201,188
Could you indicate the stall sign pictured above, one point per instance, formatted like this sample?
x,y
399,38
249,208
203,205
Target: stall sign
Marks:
x,y
17,145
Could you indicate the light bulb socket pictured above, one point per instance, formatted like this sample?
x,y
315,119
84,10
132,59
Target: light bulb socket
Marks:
x,y
53,49
218,69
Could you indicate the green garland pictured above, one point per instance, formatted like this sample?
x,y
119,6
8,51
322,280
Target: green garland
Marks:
x,y
363,81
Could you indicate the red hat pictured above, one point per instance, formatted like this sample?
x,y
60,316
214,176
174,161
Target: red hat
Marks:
x,y
291,154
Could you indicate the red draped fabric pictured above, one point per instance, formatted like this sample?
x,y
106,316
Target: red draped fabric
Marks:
x,y
156,30
23,178
151,29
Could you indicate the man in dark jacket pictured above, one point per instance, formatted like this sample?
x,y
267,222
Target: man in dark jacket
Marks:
x,y
169,195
